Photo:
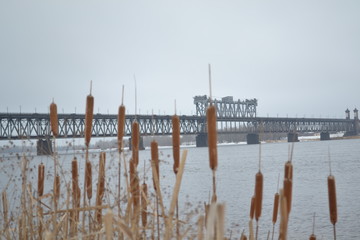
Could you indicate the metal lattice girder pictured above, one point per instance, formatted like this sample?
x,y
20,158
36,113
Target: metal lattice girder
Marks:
x,y
285,125
226,107
31,126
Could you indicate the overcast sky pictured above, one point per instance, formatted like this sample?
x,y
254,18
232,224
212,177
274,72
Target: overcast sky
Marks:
x,y
296,57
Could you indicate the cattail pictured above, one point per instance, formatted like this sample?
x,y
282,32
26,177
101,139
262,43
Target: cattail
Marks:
x,y
332,199
75,193
144,196
258,194
155,161
88,179
132,170
76,203
54,123
121,126
74,172
176,142
89,118
276,207
41,173
57,187
135,139
135,192
288,170
252,207
100,185
101,180
212,136
288,193
243,236
312,237
75,179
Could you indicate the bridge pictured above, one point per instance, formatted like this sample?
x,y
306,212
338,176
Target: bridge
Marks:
x,y
232,117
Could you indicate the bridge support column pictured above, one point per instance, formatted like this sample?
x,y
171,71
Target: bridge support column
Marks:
x,y
252,138
44,147
141,144
202,140
324,136
292,137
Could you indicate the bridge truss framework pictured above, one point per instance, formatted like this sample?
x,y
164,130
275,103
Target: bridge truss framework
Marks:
x,y
37,126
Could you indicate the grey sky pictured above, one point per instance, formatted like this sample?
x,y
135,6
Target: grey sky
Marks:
x,y
295,57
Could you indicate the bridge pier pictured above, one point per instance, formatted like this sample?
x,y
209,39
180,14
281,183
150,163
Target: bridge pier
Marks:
x,y
44,147
252,138
292,137
141,144
201,140
324,136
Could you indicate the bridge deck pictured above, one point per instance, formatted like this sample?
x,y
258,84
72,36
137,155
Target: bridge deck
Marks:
x,y
37,125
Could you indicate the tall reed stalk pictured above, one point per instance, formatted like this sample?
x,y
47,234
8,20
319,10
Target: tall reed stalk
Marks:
x,y
120,135
100,186
176,155
89,115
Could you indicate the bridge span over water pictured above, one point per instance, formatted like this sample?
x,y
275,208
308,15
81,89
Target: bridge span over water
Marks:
x,y
232,117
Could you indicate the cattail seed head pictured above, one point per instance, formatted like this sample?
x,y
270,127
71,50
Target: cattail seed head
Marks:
x,y
332,199
101,180
57,187
212,136
276,207
144,205
88,179
132,170
54,122
41,178
259,180
136,191
155,160
252,207
121,126
288,170
100,185
74,170
243,237
89,115
135,139
176,142
75,178
288,193
312,237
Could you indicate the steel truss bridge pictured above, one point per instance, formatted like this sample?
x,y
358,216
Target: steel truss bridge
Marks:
x,y
37,126
232,117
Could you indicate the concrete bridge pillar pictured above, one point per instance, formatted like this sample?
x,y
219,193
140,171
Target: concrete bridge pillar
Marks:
x,y
44,147
252,138
324,136
202,140
141,144
293,137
